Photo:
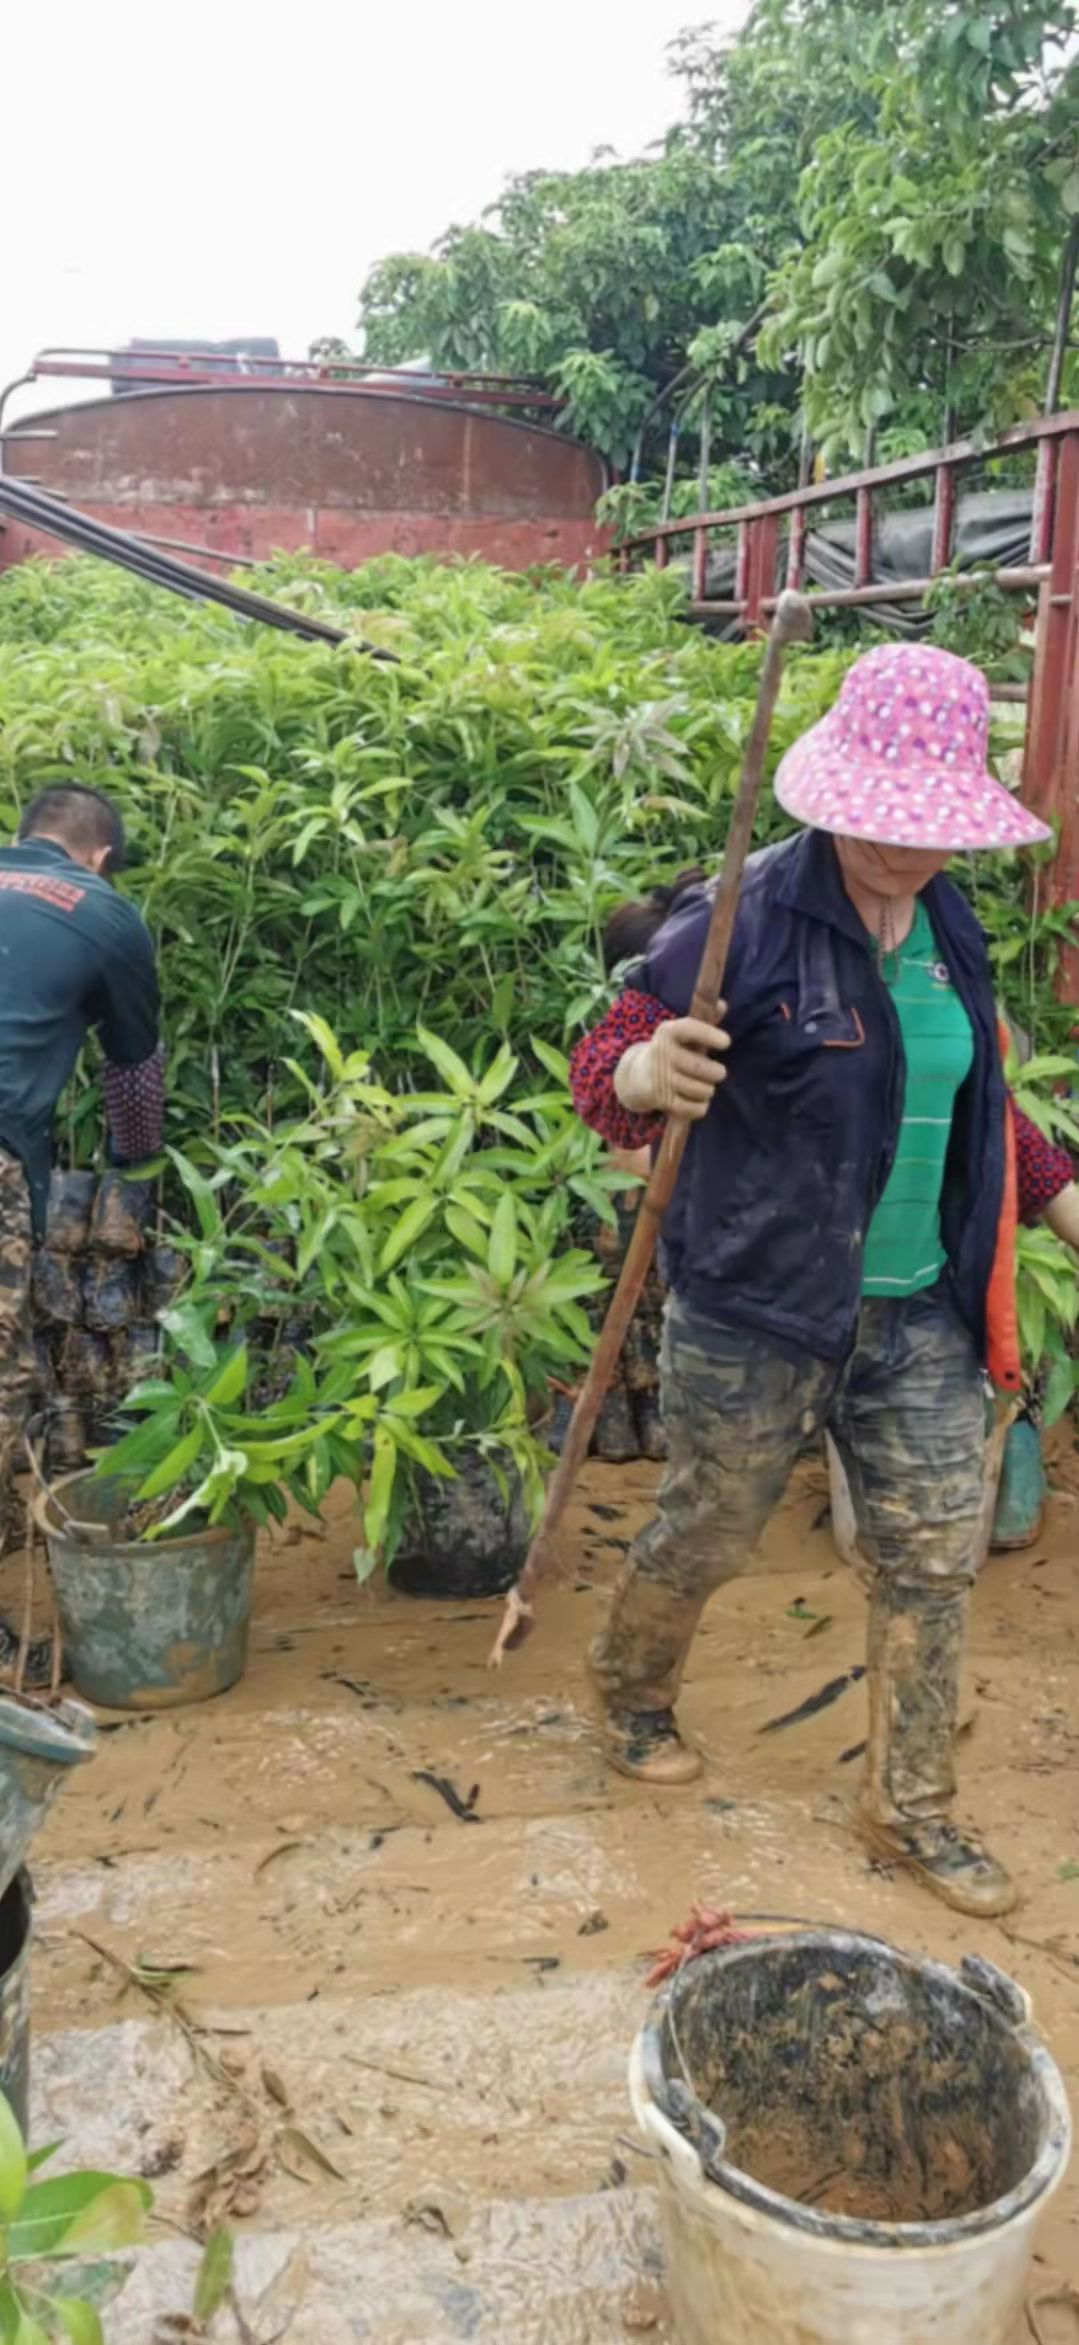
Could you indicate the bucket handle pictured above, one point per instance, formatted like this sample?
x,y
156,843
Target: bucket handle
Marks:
x,y
1004,1995
704,2132
662,2120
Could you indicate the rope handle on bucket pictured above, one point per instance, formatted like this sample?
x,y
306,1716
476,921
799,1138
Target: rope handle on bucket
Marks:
x,y
48,1491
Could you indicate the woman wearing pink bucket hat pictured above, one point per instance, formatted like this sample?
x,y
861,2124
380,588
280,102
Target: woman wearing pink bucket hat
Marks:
x,y
838,1246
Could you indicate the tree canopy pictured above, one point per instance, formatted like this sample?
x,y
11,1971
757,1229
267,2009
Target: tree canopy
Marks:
x,y
859,223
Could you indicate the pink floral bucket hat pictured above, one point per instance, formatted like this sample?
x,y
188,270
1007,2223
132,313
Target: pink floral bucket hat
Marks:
x,y
902,759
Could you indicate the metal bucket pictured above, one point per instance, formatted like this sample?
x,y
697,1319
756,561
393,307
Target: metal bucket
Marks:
x,y
855,2145
146,1625
38,1748
15,1933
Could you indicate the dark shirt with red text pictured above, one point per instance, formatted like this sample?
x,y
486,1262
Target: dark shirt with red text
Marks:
x,y
73,955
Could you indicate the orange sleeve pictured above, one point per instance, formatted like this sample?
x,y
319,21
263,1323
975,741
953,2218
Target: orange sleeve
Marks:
x,y
1002,1356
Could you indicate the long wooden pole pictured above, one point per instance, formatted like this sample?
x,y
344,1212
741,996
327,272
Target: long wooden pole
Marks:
x,y
793,623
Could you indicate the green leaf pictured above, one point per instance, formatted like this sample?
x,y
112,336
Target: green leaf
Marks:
x,y
380,1489
467,1231
13,2162
88,2213
230,1382
411,1225
215,2275
183,1323
452,1069
502,1249
415,1403
80,2322
425,1453
174,1468
555,1061
28,2331
324,1039
212,1494
151,1393
499,1076
1059,1392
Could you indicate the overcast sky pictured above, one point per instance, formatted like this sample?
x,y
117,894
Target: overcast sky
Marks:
x,y
221,167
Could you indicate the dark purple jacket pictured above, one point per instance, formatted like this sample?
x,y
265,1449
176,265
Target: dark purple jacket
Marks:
x,y
781,1177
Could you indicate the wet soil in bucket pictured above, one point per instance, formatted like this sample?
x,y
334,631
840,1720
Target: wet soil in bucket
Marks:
x,y
861,2084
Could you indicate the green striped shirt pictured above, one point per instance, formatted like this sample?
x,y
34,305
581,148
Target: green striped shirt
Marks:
x,y
904,1251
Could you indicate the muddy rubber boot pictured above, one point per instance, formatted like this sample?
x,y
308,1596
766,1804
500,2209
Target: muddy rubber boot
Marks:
x,y
651,1431
949,1861
647,1746
914,1654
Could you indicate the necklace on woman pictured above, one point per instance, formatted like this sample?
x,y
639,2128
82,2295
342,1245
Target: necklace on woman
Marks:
x,y
887,948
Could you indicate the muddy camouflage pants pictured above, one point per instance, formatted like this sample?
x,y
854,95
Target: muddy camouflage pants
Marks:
x,y
16,1341
907,1414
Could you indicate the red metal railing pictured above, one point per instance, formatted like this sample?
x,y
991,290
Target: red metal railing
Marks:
x,y
219,371
1051,575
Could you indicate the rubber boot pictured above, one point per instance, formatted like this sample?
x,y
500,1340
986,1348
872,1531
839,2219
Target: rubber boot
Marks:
x,y
636,1665
1021,1496
915,1646
647,1746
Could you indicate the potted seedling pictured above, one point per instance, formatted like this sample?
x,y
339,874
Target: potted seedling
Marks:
x,y
475,1306
152,1553
427,1237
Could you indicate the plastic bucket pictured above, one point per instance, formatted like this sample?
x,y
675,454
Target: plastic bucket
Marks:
x,y
38,1748
15,1933
1023,1491
146,1625
855,2145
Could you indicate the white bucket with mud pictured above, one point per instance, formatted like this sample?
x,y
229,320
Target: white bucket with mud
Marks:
x,y
854,2145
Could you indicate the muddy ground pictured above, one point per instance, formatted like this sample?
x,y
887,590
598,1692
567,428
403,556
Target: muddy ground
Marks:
x,y
394,2056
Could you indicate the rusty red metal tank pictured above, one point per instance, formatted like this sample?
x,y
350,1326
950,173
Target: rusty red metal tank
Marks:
x,y
294,459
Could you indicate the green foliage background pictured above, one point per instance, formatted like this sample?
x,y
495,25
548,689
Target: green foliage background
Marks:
x,y
856,224
436,842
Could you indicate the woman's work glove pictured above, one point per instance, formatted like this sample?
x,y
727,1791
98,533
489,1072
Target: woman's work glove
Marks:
x,y
676,1072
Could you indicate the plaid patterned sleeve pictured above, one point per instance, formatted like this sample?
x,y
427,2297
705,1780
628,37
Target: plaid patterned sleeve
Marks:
x,y
634,1017
1042,1168
135,1106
